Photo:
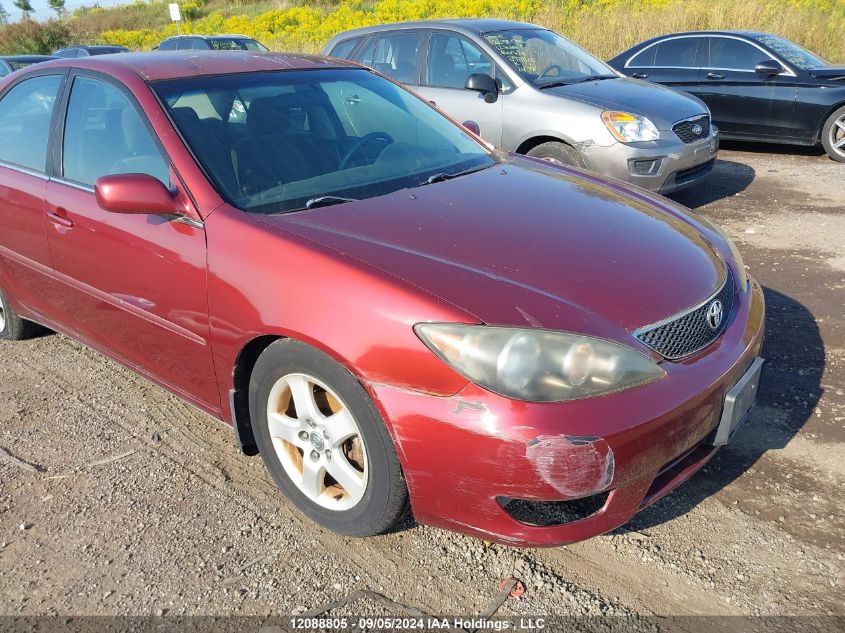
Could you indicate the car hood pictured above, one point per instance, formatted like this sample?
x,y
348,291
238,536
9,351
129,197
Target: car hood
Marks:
x,y
528,244
828,72
662,105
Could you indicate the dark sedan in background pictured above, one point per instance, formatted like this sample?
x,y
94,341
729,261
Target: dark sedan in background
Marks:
x,y
88,51
758,86
11,63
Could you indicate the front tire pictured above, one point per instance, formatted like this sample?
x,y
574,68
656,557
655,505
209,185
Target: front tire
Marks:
x,y
558,153
324,442
833,135
12,327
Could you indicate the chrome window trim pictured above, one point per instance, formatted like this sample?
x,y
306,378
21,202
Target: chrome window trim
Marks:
x,y
71,183
686,311
789,72
29,171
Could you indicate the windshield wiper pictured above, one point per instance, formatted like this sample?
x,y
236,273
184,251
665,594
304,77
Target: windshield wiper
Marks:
x,y
554,84
597,78
326,201
442,176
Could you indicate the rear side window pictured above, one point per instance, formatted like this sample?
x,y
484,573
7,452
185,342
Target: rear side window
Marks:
x,y
105,135
677,53
451,60
344,49
25,114
167,45
731,54
394,55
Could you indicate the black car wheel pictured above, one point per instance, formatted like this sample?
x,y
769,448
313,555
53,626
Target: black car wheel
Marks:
x,y
833,135
12,327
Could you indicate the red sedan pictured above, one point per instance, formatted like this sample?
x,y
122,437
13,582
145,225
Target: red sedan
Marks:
x,y
389,311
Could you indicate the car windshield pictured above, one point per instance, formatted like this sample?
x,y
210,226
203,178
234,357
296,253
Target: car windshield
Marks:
x,y
235,44
545,58
280,141
791,52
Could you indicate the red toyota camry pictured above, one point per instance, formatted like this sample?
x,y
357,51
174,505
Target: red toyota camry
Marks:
x,y
390,312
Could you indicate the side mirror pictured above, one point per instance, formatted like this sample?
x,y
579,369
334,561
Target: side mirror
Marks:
x,y
472,126
485,84
769,67
135,194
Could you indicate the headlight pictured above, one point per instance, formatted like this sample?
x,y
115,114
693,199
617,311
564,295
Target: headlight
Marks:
x,y
737,257
538,365
629,128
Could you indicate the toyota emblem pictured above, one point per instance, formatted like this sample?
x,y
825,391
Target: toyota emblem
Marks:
x,y
715,313
697,129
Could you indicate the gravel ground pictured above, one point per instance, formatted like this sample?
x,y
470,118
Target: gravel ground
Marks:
x,y
137,504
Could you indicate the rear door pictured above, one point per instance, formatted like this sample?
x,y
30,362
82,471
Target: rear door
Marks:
x,y
745,103
135,285
27,114
449,60
673,62
395,54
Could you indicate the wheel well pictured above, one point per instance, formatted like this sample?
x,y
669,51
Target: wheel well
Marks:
x,y
825,118
531,143
239,395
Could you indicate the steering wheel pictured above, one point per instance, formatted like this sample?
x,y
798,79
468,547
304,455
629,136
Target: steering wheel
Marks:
x,y
550,68
372,137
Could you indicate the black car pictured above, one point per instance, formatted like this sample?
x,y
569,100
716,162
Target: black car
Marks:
x,y
11,63
210,43
758,86
86,51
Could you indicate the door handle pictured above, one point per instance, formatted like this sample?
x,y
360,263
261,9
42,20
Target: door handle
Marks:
x,y
639,75
59,218
715,76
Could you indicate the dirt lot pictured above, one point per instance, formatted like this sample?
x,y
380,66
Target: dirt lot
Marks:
x,y
138,504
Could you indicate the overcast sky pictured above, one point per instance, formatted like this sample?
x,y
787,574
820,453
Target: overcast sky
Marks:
x,y
43,11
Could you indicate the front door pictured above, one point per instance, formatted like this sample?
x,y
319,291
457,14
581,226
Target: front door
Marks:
x,y
745,103
135,285
450,59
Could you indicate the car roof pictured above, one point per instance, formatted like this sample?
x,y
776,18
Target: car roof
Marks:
x,y
221,36
722,32
161,65
467,26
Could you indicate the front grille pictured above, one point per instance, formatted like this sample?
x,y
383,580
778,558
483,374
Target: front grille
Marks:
x,y
689,331
693,129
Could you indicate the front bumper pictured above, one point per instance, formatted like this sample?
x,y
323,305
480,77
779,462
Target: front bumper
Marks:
x,y
463,454
662,166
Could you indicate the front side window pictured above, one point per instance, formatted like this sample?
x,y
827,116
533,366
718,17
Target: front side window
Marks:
x,y
314,137
25,115
104,135
678,52
731,54
394,55
452,59
544,58
791,52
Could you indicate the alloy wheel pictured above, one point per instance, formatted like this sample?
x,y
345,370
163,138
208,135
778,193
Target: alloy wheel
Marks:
x,y
837,136
317,442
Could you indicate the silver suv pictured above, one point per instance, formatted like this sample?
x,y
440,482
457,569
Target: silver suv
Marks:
x,y
531,91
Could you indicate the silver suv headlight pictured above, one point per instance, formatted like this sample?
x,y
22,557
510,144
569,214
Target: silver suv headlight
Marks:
x,y
538,365
629,128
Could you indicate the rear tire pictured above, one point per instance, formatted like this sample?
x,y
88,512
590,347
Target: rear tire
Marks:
x,y
324,442
558,153
12,327
833,135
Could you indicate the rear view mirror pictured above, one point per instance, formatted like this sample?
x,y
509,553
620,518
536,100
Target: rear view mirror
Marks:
x,y
485,84
769,67
135,194
472,126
